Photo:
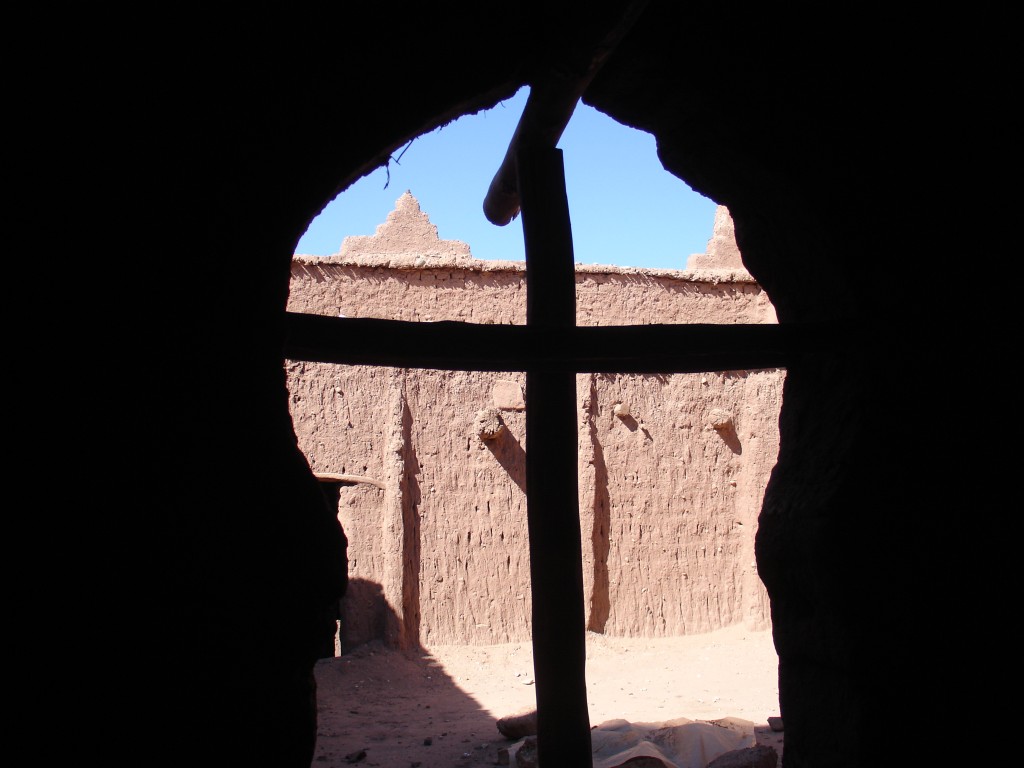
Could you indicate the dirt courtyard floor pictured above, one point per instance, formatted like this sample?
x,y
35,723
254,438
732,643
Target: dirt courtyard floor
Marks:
x,y
438,707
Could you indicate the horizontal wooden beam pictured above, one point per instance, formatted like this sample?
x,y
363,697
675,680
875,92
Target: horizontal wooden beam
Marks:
x,y
334,477
600,349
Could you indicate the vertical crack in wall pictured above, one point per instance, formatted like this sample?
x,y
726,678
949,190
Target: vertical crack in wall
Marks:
x,y
599,513
411,550
400,524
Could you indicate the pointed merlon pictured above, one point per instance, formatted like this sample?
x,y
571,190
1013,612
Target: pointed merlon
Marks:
x,y
722,251
406,233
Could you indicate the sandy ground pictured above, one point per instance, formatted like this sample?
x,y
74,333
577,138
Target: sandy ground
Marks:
x,y
437,708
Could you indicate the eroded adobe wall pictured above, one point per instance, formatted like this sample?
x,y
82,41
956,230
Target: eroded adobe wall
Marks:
x,y
678,483
672,469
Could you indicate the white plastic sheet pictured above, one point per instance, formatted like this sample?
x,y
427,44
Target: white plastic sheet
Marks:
x,y
679,743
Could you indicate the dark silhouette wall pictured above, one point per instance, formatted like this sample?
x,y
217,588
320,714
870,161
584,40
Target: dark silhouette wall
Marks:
x,y
850,152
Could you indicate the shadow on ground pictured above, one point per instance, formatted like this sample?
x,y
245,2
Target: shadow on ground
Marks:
x,y
378,706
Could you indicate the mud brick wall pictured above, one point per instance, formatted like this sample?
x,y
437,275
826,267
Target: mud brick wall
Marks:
x,y
672,468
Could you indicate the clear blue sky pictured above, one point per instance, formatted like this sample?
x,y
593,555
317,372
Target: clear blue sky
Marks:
x,y
625,208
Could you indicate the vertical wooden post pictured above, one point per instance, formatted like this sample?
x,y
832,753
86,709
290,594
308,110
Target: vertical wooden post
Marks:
x,y
556,563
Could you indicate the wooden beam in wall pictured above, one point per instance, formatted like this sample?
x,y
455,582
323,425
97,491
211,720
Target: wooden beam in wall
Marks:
x,y
554,95
552,495
458,346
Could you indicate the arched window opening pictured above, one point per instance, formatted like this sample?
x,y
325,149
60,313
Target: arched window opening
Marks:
x,y
626,210
675,414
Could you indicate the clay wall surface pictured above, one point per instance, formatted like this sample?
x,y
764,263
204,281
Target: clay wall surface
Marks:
x,y
672,468
495,292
